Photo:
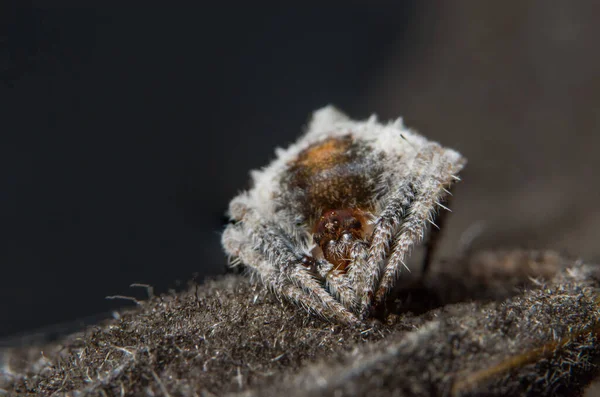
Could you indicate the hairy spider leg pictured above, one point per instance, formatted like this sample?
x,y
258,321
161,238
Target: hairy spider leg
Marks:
x,y
356,270
431,188
337,283
263,247
367,274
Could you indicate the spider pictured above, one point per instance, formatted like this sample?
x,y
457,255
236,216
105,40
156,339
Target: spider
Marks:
x,y
330,223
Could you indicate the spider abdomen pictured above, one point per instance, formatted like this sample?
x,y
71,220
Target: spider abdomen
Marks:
x,y
333,174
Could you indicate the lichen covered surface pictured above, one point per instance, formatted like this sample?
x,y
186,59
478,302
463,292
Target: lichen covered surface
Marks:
x,y
500,323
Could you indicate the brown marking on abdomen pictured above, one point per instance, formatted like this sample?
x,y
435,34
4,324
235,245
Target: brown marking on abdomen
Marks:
x,y
334,173
325,154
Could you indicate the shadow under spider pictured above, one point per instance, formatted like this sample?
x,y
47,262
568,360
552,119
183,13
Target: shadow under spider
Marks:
x,y
483,276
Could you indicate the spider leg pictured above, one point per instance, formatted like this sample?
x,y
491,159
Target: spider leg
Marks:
x,y
367,273
435,233
279,285
430,189
358,273
266,250
338,284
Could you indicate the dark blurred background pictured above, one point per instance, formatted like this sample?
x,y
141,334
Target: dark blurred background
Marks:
x,y
125,131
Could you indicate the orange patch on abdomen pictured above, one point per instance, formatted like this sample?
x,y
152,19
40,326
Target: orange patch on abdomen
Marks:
x,y
332,174
325,154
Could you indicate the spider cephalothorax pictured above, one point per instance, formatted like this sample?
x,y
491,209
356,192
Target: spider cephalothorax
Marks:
x,y
336,232
331,221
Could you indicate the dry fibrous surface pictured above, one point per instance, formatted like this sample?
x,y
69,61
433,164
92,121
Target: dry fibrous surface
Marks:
x,y
499,323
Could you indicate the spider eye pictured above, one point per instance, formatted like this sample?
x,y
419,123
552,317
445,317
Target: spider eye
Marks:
x,y
347,237
307,261
355,224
